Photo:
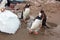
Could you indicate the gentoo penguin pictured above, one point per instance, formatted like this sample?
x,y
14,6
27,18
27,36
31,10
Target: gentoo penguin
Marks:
x,y
26,11
3,3
8,3
36,25
44,19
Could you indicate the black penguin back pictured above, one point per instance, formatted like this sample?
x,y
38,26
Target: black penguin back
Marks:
x,y
40,18
43,14
8,3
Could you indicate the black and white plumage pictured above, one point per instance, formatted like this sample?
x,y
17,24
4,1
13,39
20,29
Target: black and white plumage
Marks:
x,y
44,19
26,11
8,3
3,3
37,23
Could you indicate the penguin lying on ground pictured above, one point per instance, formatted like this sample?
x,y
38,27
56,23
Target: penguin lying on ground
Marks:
x,y
36,25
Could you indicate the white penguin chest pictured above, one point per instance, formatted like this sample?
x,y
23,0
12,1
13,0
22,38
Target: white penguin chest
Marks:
x,y
37,22
26,12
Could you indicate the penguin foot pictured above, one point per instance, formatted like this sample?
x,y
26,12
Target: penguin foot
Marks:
x,y
36,33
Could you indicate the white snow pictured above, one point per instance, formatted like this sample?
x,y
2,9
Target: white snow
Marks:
x,y
9,22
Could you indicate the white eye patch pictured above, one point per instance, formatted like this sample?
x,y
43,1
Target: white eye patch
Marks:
x,y
39,14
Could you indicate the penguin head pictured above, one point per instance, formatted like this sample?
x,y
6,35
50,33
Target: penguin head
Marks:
x,y
27,5
39,16
42,11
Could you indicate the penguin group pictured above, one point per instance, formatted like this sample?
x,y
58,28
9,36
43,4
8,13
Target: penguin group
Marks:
x,y
34,24
9,22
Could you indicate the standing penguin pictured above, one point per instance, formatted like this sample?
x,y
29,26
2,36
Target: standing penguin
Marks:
x,y
44,19
36,25
26,11
3,3
8,3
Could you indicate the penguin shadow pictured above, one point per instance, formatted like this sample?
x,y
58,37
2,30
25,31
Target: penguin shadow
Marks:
x,y
46,31
51,25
